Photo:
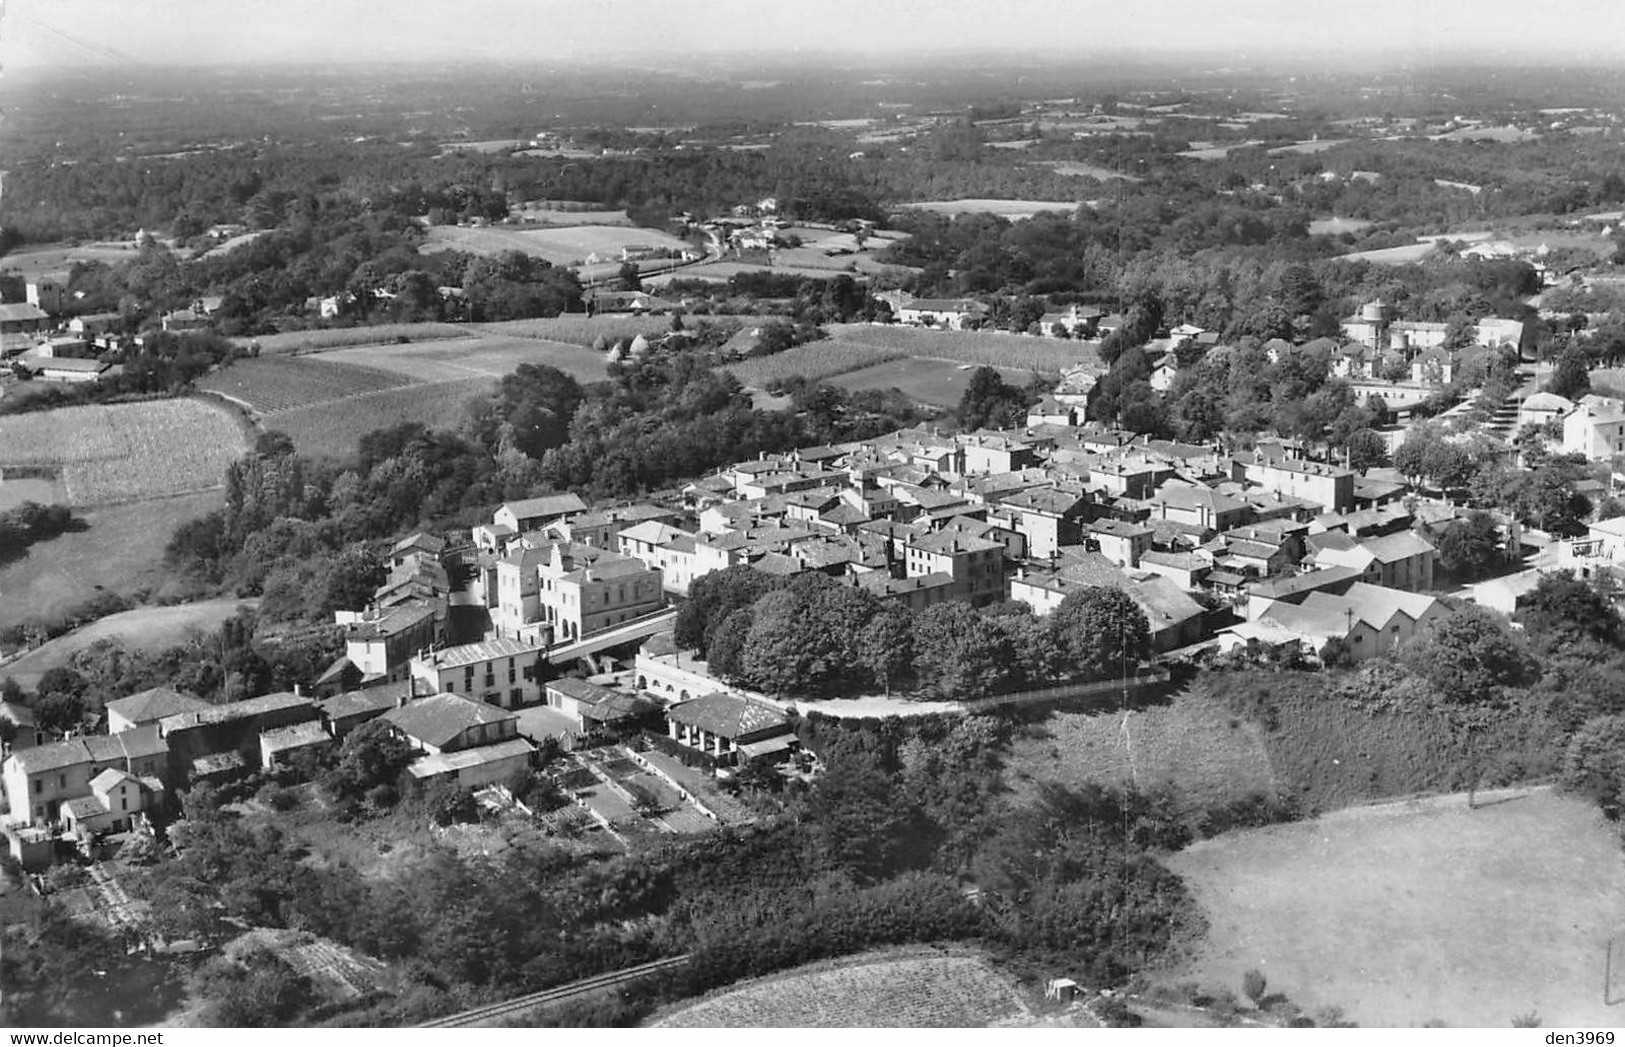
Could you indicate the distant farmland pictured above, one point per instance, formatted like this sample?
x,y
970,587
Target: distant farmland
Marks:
x,y
563,245
327,400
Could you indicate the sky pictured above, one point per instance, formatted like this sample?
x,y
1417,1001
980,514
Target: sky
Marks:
x,y
36,33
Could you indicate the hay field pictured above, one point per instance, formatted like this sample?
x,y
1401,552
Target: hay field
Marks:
x,y
564,245
814,360
880,990
110,453
1418,911
318,339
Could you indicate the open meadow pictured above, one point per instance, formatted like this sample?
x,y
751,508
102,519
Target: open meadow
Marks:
x,y
334,429
908,988
560,245
994,348
118,551
146,628
109,453
1419,911
934,382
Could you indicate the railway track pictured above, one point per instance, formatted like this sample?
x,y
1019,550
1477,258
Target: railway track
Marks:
x,y
519,1004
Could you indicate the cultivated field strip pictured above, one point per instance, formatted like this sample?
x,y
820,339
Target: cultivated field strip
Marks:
x,y
598,983
884,992
112,453
282,383
993,348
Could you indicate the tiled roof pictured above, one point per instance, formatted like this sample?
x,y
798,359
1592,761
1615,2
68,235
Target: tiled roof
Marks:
x,y
727,715
483,651
438,719
155,704
547,505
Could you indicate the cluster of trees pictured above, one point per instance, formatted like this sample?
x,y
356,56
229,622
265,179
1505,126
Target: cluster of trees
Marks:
x,y
810,635
164,363
243,658
32,522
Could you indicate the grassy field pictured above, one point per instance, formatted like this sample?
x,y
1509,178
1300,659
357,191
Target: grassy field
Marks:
x,y
1011,209
126,452
1085,170
1193,745
280,383
338,337
994,348
1403,255
147,628
814,360
1334,225
927,381
119,551
1418,911
561,245
891,989
333,429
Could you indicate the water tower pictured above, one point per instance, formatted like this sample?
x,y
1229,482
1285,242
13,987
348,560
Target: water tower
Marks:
x,y
1375,316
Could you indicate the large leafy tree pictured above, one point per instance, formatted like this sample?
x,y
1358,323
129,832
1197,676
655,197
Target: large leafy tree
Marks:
x,y
1564,608
958,653
1102,630
1470,656
1470,546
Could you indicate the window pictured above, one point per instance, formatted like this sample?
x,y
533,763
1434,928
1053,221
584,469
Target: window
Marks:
x,y
516,695
39,785
62,781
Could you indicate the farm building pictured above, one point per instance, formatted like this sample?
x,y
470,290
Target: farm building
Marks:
x,y
68,369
